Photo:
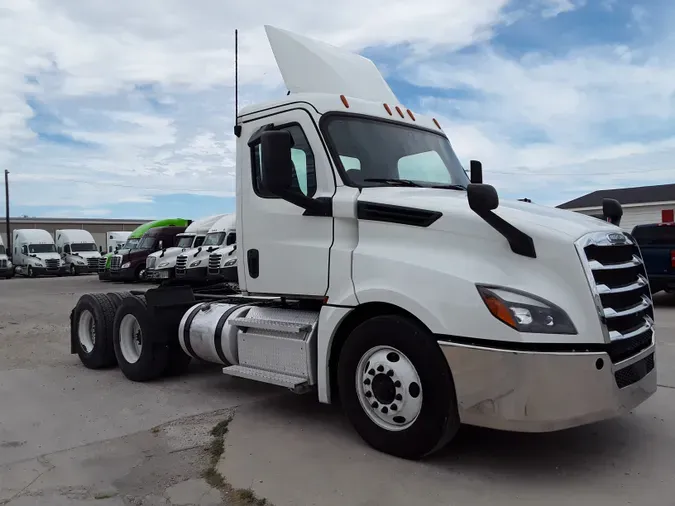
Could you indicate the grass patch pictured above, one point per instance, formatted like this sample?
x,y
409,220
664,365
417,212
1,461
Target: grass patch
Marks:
x,y
241,496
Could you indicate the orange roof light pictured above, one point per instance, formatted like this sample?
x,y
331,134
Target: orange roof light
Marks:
x,y
398,109
437,124
387,108
344,101
412,116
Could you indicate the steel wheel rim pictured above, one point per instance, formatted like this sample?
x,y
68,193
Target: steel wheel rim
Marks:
x,y
86,331
131,338
389,388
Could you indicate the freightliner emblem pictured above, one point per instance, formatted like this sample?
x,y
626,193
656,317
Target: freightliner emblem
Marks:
x,y
616,238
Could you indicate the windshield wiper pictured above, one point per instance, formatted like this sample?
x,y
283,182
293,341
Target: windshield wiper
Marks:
x,y
394,182
449,186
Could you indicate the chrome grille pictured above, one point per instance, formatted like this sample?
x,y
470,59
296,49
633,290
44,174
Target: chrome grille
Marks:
x,y
116,263
151,262
181,264
92,262
101,264
214,263
52,263
618,279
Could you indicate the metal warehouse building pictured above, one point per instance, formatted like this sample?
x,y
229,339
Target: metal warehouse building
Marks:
x,y
641,205
96,227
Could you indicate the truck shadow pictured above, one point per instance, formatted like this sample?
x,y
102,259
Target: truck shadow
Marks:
x,y
663,299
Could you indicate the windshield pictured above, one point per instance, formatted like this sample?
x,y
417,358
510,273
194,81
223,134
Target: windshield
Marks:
x,y
375,149
78,248
185,241
214,239
147,242
2,250
131,244
42,248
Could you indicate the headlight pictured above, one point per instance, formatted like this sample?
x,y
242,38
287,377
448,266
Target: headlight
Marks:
x,y
525,312
195,263
126,265
81,262
230,262
162,264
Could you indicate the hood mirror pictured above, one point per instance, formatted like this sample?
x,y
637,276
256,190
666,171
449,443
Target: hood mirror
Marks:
x,y
483,198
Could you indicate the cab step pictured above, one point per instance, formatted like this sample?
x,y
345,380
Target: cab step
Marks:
x,y
272,378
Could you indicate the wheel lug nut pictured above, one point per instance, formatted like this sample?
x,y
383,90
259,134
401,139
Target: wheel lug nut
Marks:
x,y
380,368
397,384
369,394
399,397
390,373
385,410
366,381
374,405
371,372
393,407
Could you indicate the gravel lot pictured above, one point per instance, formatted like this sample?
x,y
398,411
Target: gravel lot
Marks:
x,y
69,435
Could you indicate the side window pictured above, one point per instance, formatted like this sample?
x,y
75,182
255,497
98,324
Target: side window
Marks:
x,y
24,249
199,241
302,156
66,248
231,239
426,166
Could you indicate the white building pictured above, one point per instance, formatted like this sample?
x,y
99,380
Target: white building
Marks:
x,y
641,204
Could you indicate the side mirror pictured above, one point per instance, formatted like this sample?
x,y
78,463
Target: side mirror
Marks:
x,y
483,198
612,211
476,169
277,166
161,244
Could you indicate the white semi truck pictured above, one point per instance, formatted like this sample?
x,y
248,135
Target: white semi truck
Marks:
x,y
35,253
115,240
161,265
375,272
192,265
78,250
6,265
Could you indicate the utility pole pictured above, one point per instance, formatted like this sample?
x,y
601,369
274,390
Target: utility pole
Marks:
x,y
9,234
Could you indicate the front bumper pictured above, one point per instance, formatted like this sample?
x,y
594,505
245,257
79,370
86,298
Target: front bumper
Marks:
x,y
44,271
160,274
193,274
83,269
6,272
128,274
543,392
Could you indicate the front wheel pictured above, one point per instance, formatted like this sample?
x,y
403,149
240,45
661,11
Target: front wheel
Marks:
x,y
73,271
396,387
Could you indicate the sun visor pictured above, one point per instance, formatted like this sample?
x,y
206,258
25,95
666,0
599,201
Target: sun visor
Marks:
x,y
311,66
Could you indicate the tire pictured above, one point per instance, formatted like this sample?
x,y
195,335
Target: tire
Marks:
x,y
178,363
140,357
138,274
73,271
30,272
94,315
116,298
405,346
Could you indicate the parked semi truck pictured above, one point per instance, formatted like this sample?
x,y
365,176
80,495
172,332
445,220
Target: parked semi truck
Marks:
x,y
115,240
6,265
35,253
78,250
130,265
657,242
192,265
131,243
377,273
161,265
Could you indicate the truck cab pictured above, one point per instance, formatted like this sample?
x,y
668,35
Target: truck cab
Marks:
x,y
657,242
35,253
130,265
193,265
376,272
6,265
78,250
116,240
161,265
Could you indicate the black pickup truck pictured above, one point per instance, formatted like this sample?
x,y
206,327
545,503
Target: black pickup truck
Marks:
x,y
657,243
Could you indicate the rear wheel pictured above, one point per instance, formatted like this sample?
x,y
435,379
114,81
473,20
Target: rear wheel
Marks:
x,y
139,354
396,387
92,323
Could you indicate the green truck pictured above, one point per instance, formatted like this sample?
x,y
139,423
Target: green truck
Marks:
x,y
133,240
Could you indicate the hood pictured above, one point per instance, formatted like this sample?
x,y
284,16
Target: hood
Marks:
x,y
45,256
172,252
87,254
535,220
225,250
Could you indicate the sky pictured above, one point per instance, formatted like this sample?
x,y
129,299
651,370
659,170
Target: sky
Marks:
x,y
125,109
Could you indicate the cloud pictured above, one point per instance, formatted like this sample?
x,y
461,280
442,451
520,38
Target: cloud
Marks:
x,y
105,103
